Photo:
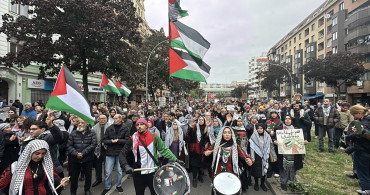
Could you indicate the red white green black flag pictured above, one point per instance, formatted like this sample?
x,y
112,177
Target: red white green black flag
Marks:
x,y
68,97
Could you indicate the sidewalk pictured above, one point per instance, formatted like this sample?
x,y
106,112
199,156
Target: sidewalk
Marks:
x,y
274,185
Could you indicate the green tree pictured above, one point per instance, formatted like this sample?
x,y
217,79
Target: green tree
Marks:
x,y
273,76
238,91
89,36
336,70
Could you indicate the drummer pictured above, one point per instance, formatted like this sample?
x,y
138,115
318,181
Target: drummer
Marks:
x,y
225,158
140,142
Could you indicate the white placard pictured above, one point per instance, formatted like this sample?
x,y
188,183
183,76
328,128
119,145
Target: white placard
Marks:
x,y
290,141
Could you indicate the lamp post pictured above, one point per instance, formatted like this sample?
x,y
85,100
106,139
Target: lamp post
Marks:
x,y
291,80
147,65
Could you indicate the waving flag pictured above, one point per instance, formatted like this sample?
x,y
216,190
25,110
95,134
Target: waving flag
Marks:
x,y
108,85
68,97
123,88
174,10
186,38
182,65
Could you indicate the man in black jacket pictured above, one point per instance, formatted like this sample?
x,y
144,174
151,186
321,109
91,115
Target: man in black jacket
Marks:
x,y
115,137
81,146
300,118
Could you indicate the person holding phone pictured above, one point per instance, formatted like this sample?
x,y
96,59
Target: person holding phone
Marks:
x,y
11,146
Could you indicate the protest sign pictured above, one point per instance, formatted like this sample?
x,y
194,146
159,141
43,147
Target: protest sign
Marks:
x,y
290,141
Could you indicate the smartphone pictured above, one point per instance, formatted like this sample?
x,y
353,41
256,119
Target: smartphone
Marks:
x,y
358,126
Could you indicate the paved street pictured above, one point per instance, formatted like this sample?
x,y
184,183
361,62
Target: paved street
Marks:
x,y
128,187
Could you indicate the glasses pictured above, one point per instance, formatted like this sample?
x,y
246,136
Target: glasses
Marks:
x,y
34,129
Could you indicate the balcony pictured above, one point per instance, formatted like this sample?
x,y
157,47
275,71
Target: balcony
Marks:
x,y
358,18
360,32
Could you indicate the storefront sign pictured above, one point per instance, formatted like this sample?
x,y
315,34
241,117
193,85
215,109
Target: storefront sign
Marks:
x,y
93,89
35,84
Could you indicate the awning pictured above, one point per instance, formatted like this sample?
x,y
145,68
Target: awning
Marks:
x,y
306,96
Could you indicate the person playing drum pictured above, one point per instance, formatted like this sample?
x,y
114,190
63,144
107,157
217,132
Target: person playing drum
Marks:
x,y
153,144
226,152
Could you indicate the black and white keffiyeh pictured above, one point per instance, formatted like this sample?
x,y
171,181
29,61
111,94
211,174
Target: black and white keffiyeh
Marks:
x,y
16,185
199,133
170,134
234,150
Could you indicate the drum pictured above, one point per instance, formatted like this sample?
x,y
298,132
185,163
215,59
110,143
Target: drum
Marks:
x,y
171,179
227,183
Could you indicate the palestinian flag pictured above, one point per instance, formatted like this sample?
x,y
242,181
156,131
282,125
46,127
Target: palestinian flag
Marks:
x,y
210,96
108,85
186,38
174,10
123,89
68,97
183,65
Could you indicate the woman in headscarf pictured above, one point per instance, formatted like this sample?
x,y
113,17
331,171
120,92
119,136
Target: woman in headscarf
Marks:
x,y
175,138
261,148
112,113
197,139
214,130
288,163
11,146
33,173
225,158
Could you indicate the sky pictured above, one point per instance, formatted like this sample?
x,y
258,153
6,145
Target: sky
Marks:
x,y
236,29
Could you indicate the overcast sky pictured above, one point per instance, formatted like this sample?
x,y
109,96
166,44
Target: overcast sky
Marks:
x,y
236,29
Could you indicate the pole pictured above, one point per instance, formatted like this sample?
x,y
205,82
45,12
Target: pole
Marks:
x,y
291,80
147,65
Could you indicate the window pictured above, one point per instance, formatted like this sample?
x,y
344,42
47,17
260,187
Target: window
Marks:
x,y
335,36
312,27
308,49
354,1
321,84
335,21
335,50
290,43
313,38
299,46
306,32
368,58
341,6
19,9
295,40
295,49
15,47
312,48
300,36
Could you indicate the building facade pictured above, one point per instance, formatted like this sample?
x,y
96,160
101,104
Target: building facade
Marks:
x,y
255,66
335,26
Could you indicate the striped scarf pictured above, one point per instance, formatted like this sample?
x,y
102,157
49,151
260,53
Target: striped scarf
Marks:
x,y
16,185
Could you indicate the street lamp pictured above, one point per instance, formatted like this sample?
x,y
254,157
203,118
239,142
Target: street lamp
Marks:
x,y
147,65
291,80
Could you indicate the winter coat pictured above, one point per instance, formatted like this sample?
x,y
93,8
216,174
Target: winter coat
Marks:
x,y
345,119
82,143
11,150
333,118
120,132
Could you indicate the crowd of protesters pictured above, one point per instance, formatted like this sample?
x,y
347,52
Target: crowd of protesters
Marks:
x,y
212,137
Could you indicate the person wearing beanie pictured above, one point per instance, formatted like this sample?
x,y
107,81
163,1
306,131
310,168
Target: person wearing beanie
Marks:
x,y
28,111
139,140
115,138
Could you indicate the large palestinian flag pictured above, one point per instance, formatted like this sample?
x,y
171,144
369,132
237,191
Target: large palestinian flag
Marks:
x,y
68,97
183,65
174,10
108,85
186,38
123,88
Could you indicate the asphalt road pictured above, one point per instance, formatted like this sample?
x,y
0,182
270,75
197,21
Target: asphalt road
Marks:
x,y
128,187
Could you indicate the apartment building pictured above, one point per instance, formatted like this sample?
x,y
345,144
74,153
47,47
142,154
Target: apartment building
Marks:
x,y
256,64
333,27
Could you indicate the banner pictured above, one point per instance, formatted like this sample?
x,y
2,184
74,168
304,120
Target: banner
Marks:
x,y
290,141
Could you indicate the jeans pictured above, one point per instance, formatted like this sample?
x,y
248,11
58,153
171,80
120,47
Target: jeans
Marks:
x,y
109,164
322,134
361,161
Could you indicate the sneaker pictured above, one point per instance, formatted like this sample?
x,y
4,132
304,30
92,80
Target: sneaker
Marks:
x,y
120,190
316,137
342,148
352,175
105,191
276,175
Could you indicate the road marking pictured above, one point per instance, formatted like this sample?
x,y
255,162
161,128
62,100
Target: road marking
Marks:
x,y
124,178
